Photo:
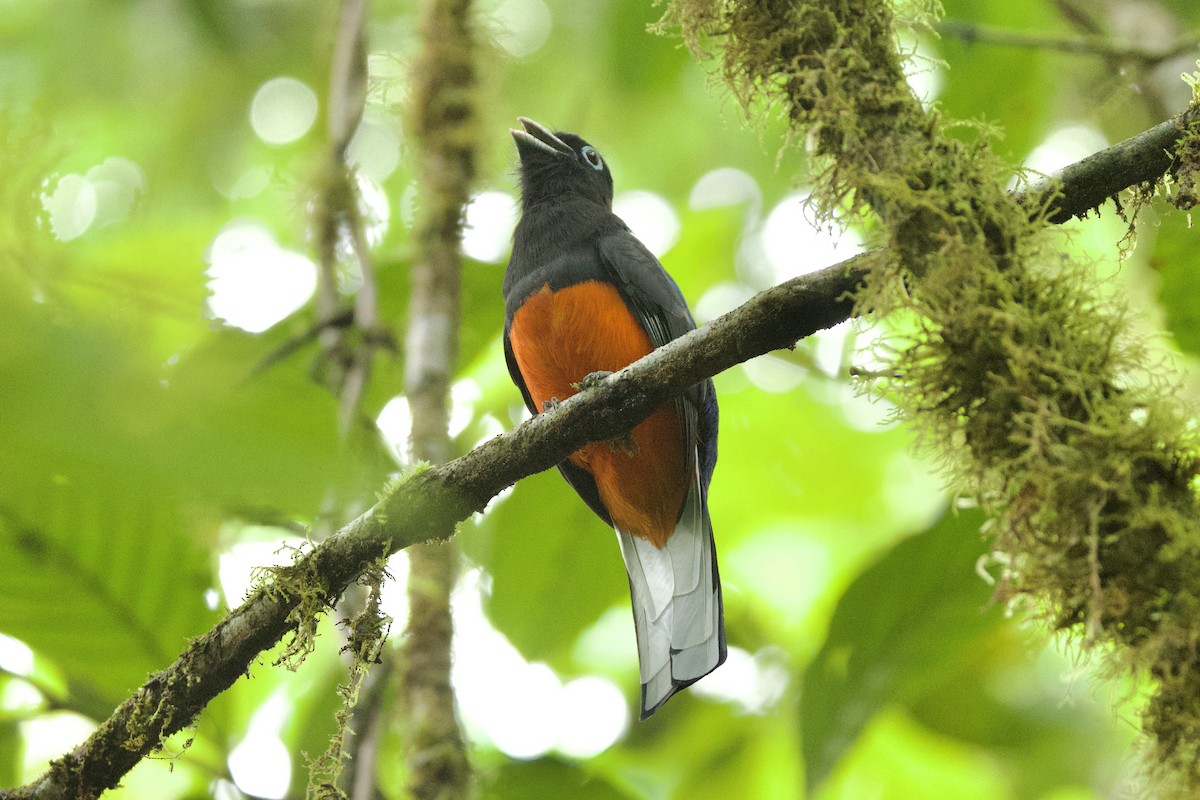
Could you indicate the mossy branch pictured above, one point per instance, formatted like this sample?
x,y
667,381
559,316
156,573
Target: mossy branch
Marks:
x,y
426,505
1020,376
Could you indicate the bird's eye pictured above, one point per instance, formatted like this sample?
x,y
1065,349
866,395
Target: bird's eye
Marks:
x,y
593,157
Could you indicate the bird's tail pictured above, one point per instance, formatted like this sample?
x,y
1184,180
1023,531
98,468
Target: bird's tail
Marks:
x,y
677,606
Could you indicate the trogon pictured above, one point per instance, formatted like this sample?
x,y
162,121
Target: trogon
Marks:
x,y
583,297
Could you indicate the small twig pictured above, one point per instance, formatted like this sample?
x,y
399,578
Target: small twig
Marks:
x,y
1078,16
347,102
338,221
343,318
347,78
1084,17
1095,45
1095,620
367,724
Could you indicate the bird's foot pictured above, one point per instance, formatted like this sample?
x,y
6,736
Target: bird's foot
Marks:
x,y
550,405
621,444
624,444
591,380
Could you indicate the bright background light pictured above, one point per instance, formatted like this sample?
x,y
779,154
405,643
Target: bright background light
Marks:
x,y
104,195
375,147
726,186
925,71
15,656
794,246
260,764
254,282
491,217
524,708
283,109
1064,146
650,217
519,27
259,546
395,425
752,682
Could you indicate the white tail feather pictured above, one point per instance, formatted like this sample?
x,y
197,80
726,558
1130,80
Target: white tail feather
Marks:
x,y
676,604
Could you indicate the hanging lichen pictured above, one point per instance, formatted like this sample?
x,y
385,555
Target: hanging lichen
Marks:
x,y
366,633
1017,374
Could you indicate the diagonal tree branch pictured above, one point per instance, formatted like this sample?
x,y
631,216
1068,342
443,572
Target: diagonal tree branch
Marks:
x,y
426,505
1087,184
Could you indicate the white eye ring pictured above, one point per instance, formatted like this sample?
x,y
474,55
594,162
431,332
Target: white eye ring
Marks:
x,y
592,157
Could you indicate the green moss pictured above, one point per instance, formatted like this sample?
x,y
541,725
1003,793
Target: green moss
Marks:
x,y
300,581
1018,376
1186,191
368,631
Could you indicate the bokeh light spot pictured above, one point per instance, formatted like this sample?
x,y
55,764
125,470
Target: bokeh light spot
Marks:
x,y
753,682
71,206
592,716
255,283
520,27
795,246
1064,146
491,217
725,186
375,208
650,217
260,546
395,425
375,148
393,596
15,656
283,109
47,736
260,763
103,196
19,699
923,69
534,713
773,374
463,396
720,299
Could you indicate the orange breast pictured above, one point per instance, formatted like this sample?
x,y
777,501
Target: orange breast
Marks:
x,y
558,337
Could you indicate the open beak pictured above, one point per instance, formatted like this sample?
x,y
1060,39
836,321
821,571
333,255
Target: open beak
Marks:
x,y
534,135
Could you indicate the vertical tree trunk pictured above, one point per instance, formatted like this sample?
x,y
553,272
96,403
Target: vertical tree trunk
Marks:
x,y
443,121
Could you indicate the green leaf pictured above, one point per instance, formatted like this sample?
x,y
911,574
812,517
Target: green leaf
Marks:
x,y
912,615
1020,706
555,567
103,573
10,751
103,577
703,750
264,438
548,778
972,91
1177,261
897,759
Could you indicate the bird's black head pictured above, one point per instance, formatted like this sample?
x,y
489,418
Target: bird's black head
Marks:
x,y
559,166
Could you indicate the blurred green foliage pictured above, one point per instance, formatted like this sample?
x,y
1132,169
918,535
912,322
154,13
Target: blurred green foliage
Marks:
x,y
140,436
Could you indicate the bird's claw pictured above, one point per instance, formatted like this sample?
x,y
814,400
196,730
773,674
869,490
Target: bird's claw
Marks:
x,y
621,444
624,444
591,380
550,405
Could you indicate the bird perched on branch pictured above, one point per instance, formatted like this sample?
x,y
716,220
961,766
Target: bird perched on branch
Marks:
x,y
584,298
